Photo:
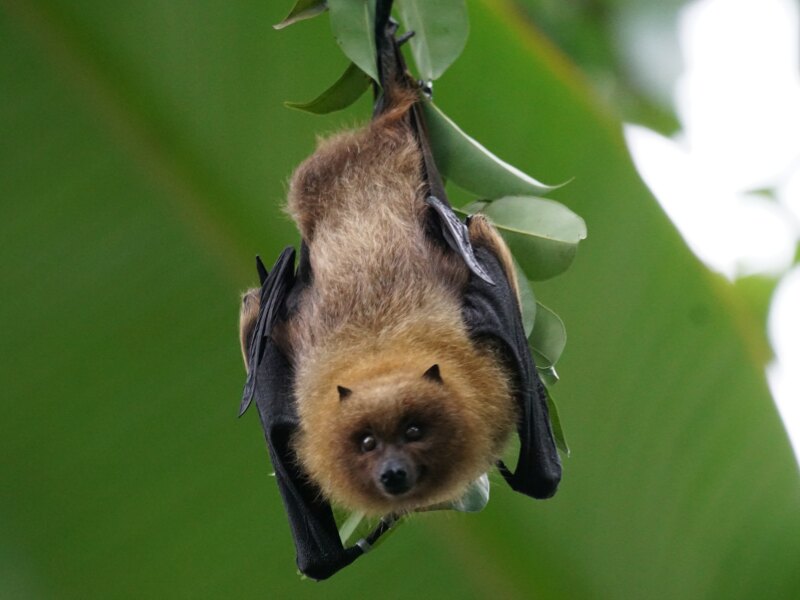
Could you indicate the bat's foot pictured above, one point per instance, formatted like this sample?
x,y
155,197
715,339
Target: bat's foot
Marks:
x,y
483,233
248,314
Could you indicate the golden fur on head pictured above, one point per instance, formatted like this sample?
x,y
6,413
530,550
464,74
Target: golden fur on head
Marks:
x,y
465,418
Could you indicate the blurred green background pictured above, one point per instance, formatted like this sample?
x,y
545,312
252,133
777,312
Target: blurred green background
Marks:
x,y
145,151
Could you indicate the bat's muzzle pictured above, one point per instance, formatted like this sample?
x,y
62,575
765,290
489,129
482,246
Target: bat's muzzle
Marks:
x,y
397,476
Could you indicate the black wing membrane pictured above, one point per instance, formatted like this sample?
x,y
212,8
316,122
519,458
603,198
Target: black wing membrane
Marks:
x,y
316,537
270,378
275,287
492,315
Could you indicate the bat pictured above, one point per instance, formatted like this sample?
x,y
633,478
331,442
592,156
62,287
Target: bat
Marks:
x,y
389,366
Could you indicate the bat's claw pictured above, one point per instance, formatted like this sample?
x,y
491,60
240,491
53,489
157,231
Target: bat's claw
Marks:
x,y
405,37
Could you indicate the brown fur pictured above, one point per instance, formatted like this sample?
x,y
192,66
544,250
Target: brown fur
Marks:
x,y
383,307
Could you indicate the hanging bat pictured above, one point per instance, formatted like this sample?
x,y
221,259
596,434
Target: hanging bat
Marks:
x,y
390,368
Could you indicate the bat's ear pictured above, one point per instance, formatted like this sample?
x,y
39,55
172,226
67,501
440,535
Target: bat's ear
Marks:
x,y
343,392
433,374
262,270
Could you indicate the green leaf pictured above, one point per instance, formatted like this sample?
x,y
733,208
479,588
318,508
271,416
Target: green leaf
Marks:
x,y
354,526
395,526
470,165
349,526
302,10
441,28
548,338
527,299
472,208
555,422
543,234
756,293
353,26
346,90
475,497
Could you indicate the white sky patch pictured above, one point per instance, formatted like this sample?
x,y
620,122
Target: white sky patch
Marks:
x,y
739,97
738,100
733,232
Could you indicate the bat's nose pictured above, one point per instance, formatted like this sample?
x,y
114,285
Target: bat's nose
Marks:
x,y
394,478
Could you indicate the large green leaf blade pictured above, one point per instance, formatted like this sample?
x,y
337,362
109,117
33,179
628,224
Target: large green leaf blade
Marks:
x,y
353,26
441,28
667,411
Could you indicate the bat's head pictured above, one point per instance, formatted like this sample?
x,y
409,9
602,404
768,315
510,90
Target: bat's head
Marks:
x,y
400,441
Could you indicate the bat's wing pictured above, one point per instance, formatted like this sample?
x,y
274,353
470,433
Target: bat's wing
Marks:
x,y
455,234
320,552
275,288
492,315
316,538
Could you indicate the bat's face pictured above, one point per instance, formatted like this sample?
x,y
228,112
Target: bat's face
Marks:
x,y
398,443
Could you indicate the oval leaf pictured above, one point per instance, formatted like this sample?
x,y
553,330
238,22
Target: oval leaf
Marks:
x,y
548,338
543,234
303,9
470,165
475,498
471,208
353,26
347,89
440,30
527,300
356,526
349,526
555,422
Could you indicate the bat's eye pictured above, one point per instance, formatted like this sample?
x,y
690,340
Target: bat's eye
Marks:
x,y
368,443
413,433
